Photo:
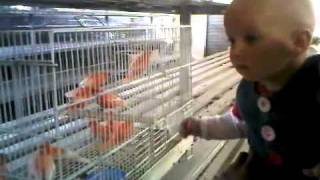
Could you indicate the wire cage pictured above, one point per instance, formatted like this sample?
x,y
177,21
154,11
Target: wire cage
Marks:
x,y
90,103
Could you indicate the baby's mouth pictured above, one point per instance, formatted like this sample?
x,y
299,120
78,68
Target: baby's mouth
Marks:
x,y
240,66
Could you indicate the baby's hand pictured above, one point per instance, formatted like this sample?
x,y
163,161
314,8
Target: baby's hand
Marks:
x,y
190,126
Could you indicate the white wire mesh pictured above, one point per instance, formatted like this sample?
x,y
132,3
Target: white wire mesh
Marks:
x,y
89,103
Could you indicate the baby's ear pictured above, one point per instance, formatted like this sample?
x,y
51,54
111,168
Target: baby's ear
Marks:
x,y
301,41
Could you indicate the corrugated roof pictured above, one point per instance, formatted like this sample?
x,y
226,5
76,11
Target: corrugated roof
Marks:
x,y
159,6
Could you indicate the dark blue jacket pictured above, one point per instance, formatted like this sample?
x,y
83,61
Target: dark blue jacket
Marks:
x,y
294,116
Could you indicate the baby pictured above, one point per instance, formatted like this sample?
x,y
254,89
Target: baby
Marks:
x,y
278,99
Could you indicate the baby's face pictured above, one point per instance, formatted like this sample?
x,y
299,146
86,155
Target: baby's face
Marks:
x,y
256,52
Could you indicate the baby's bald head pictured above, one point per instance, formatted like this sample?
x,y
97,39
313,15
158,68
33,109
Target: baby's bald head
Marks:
x,y
269,38
276,16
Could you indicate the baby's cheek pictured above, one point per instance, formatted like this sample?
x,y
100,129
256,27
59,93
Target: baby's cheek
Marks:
x,y
277,47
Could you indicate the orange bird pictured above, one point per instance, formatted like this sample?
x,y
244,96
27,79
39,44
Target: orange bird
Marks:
x,y
111,132
111,100
89,86
101,130
79,94
95,80
42,164
138,65
3,167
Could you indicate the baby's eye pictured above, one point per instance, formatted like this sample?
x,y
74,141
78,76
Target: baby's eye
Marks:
x,y
231,40
251,39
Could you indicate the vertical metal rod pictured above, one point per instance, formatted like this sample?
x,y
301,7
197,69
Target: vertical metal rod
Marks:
x,y
96,51
118,55
25,77
102,55
109,54
114,59
90,53
78,68
185,55
55,92
33,76
88,58
2,109
65,68
93,54
59,60
39,72
4,84
17,98
82,41
121,51
105,56
73,66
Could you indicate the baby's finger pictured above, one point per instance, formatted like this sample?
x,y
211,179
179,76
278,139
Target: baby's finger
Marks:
x,y
185,128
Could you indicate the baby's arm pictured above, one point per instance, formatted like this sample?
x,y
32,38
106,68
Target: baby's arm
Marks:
x,y
227,126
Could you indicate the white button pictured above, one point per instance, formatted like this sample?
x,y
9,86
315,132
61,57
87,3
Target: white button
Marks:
x,y
264,104
267,133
